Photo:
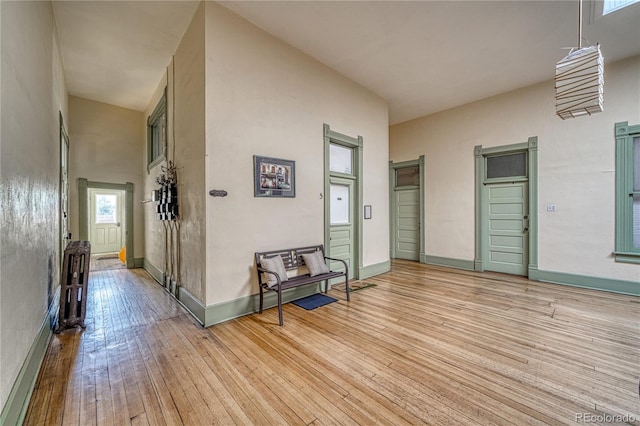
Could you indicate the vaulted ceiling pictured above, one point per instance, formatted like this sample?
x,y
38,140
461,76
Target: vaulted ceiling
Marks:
x,y
421,56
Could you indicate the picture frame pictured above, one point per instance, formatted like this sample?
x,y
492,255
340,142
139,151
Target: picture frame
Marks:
x,y
273,177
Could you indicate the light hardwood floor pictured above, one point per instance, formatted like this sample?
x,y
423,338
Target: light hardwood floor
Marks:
x,y
426,345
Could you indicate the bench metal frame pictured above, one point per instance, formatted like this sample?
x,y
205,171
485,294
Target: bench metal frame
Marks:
x,y
292,259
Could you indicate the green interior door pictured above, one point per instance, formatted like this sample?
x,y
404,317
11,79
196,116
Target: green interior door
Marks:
x,y
407,226
341,225
507,227
106,221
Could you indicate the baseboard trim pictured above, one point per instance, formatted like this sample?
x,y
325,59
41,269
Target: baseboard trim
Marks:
x,y
225,311
152,270
375,269
15,409
192,304
184,297
468,265
596,283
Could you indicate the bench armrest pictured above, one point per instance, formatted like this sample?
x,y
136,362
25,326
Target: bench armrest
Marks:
x,y
261,269
346,267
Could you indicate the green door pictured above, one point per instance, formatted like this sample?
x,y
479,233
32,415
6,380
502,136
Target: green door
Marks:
x,y
407,226
341,225
507,226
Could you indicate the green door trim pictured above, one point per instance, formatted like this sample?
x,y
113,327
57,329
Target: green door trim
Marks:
x,y
357,144
392,203
481,234
624,250
83,213
63,237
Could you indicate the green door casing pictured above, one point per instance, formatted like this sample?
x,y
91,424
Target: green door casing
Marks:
x,y
407,226
343,200
507,217
506,208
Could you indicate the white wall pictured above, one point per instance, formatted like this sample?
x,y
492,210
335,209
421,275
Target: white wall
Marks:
x,y
33,93
186,149
576,170
264,97
105,145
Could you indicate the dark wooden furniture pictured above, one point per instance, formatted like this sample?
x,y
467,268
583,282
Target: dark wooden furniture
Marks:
x,y
73,286
292,259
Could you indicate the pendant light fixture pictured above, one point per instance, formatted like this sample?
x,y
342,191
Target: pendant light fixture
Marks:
x,y
580,79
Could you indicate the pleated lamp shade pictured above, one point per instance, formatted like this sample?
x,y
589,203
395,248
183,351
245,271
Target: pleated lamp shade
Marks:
x,y
580,83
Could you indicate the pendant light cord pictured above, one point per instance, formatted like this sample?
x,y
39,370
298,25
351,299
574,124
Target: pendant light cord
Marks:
x,y
579,24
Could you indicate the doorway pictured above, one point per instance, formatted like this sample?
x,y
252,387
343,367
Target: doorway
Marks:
x,y
125,214
64,236
506,223
343,200
341,223
407,211
506,209
106,220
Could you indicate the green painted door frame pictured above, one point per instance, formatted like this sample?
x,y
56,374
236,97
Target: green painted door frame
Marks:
x,y
392,203
83,211
332,137
481,233
63,197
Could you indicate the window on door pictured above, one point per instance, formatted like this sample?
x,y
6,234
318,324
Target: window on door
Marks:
x,y
106,208
627,193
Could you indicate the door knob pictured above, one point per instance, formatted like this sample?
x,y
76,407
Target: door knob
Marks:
x,y
525,229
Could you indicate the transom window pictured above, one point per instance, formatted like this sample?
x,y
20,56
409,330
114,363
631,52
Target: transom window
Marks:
x,y
613,5
507,166
157,133
340,159
408,176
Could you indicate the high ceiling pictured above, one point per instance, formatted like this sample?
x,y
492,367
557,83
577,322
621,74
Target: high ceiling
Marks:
x,y
421,56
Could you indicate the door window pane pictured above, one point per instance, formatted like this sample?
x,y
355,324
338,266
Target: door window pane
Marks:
x,y
339,204
106,208
340,159
511,165
408,176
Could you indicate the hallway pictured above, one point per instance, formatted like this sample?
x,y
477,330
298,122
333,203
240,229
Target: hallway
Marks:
x,y
425,345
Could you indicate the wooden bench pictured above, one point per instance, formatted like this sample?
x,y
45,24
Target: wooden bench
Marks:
x,y
292,259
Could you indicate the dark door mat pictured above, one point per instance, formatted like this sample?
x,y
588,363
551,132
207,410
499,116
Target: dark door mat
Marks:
x,y
314,301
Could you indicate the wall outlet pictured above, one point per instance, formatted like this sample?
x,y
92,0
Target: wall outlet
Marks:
x,y
552,208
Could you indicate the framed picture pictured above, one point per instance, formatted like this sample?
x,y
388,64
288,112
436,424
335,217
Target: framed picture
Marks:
x,y
273,177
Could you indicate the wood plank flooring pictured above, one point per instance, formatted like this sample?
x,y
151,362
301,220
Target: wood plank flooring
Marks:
x,y
426,345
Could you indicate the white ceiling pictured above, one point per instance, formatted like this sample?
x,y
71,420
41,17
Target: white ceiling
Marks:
x,y
116,51
421,56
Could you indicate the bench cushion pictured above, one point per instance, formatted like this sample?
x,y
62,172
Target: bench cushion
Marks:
x,y
315,263
276,265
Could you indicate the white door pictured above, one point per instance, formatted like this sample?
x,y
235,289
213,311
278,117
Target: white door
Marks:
x,y
407,226
341,230
106,220
507,227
